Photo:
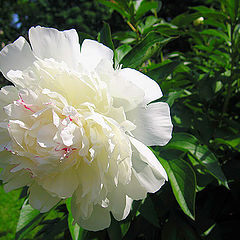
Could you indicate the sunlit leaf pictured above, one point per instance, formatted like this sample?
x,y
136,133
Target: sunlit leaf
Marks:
x,y
29,218
183,183
144,50
77,233
188,143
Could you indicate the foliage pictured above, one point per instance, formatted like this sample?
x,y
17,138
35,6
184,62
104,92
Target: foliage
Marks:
x,y
201,84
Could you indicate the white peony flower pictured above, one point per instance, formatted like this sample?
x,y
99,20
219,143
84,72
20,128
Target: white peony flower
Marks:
x,y
73,126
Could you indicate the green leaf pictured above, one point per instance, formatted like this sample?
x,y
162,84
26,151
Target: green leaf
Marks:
x,y
148,211
185,19
83,36
105,37
120,52
114,230
210,13
77,233
216,33
163,71
232,7
183,182
177,228
29,218
188,143
124,227
144,7
115,6
233,142
144,50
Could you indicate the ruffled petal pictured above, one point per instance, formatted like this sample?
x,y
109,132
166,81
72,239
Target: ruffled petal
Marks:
x,y
148,170
40,199
99,219
92,52
151,89
63,46
16,56
63,184
153,124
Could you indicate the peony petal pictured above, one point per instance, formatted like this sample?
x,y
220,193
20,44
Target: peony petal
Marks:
x,y
134,189
150,87
120,204
99,219
16,56
63,46
40,199
45,136
62,184
92,52
148,170
125,93
19,179
153,124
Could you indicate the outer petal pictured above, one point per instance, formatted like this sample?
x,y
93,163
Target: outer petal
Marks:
x,y
99,219
92,52
148,170
134,189
125,93
40,199
150,87
51,43
153,124
120,204
16,56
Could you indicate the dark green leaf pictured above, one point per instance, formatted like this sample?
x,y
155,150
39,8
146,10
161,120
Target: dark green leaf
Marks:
x,y
163,71
210,13
83,36
105,37
185,19
188,143
144,50
115,6
177,228
114,230
120,52
216,33
183,183
144,7
148,211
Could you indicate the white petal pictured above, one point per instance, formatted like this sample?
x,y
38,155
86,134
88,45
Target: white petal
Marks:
x,y
63,46
16,56
45,136
125,93
16,180
92,52
62,184
120,204
67,134
153,124
40,199
134,189
150,87
148,170
99,219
